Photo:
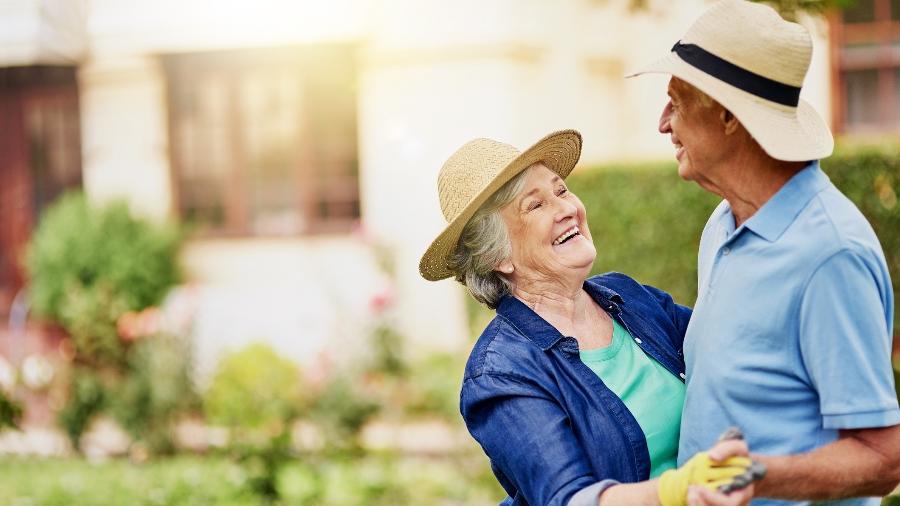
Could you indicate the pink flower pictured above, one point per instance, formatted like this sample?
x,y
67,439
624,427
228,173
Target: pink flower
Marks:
x,y
381,301
132,325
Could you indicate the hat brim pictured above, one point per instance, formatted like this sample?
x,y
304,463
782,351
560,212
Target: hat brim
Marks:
x,y
784,133
559,151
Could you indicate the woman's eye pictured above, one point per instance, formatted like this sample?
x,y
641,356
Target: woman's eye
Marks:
x,y
562,191
534,205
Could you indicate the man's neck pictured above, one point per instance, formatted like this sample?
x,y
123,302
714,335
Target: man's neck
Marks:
x,y
752,180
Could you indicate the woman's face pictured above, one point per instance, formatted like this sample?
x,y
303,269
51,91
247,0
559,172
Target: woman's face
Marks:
x,y
548,230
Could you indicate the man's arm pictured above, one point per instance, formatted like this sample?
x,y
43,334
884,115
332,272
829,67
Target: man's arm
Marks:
x,y
862,462
845,347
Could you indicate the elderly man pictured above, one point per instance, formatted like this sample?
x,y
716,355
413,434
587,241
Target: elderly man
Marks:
x,y
791,333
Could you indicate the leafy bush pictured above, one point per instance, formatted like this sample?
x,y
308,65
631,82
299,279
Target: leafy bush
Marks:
x,y
155,391
341,410
85,398
10,412
257,394
88,265
254,388
434,385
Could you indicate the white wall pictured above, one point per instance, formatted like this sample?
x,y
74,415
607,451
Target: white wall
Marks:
x,y
305,297
124,135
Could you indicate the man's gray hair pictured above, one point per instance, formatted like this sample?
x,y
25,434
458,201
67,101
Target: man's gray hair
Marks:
x,y
483,244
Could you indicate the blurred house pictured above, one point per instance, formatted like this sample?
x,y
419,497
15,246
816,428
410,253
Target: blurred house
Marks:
x,y
299,140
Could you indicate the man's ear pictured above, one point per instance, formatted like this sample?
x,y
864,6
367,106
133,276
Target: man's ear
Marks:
x,y
506,267
729,121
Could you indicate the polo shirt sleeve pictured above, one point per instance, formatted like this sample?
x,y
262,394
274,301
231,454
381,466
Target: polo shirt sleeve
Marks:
x,y
529,439
845,343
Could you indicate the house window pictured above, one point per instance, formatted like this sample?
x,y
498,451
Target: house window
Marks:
x,y
264,142
866,49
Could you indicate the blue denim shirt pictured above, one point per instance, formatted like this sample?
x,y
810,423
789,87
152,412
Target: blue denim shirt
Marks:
x,y
554,433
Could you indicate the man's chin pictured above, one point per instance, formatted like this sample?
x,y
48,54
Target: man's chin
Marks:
x,y
684,172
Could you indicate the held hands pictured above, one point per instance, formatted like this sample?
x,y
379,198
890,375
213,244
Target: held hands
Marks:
x,y
707,477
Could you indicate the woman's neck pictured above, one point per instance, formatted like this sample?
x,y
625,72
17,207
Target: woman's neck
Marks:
x,y
561,305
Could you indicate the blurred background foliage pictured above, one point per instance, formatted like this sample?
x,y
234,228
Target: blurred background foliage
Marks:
x,y
80,251
95,271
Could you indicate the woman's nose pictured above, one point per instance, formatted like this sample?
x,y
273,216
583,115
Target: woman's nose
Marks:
x,y
565,209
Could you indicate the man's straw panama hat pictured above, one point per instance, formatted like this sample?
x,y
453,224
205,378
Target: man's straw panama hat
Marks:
x,y
478,169
752,62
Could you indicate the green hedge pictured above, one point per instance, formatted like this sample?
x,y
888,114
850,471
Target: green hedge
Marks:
x,y
646,221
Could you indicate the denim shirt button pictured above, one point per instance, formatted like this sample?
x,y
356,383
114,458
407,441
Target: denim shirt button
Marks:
x,y
638,340
682,375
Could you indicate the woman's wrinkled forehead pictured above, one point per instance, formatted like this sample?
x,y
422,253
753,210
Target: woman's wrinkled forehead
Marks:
x,y
537,176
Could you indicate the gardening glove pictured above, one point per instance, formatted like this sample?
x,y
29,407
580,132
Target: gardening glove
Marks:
x,y
699,470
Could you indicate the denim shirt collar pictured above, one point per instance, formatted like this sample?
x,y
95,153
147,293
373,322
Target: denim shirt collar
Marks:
x,y
774,217
537,329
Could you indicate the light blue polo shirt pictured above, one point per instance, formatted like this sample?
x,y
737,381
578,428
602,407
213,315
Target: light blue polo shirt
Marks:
x,y
790,336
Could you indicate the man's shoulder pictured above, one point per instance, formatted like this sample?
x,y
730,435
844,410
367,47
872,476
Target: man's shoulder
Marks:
x,y
832,223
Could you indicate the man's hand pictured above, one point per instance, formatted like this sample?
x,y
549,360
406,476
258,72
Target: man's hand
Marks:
x,y
710,470
699,496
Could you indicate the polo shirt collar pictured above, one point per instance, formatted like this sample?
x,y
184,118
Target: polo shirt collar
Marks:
x,y
774,217
537,329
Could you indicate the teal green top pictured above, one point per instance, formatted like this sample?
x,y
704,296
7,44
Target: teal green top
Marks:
x,y
652,394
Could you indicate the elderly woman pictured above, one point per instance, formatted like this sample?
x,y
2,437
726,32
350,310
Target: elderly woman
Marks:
x,y
575,389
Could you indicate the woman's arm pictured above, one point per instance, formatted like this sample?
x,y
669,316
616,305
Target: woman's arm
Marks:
x,y
529,439
677,489
680,315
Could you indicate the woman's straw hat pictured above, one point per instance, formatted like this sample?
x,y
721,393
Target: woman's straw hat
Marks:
x,y
478,169
751,61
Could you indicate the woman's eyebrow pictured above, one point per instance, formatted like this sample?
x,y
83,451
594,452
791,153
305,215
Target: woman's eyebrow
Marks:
x,y
528,194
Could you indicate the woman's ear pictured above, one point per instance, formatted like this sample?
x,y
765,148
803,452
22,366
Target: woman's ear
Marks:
x,y
506,267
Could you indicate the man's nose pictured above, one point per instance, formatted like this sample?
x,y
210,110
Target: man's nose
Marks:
x,y
664,125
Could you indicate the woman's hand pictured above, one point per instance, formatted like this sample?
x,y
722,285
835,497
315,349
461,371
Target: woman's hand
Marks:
x,y
701,496
723,466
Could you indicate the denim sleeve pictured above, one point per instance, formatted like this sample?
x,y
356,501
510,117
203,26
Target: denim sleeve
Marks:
x,y
845,342
678,314
528,437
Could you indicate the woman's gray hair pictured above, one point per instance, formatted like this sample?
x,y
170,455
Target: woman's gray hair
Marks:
x,y
483,244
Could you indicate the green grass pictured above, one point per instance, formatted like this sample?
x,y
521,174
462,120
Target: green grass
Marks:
x,y
197,481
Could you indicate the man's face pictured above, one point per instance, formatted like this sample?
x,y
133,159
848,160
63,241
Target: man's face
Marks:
x,y
696,130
